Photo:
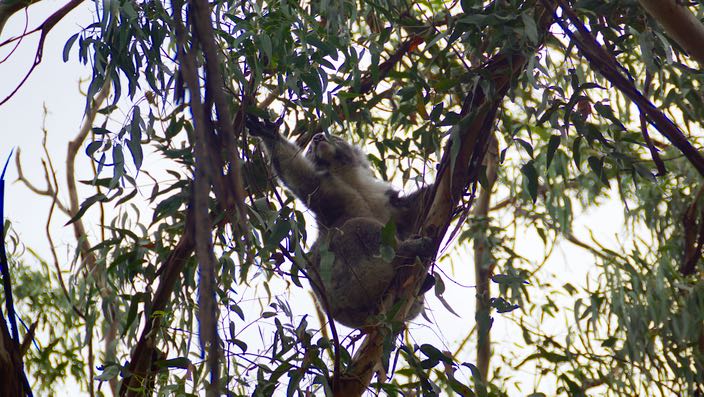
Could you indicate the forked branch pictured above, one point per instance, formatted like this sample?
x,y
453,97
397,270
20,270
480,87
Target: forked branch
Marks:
x,y
451,186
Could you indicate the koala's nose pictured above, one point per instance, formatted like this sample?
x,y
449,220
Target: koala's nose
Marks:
x,y
319,137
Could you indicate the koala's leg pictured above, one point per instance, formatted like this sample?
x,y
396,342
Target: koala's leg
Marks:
x,y
423,249
357,279
359,276
407,209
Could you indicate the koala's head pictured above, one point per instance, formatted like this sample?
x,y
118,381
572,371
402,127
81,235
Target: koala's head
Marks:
x,y
331,152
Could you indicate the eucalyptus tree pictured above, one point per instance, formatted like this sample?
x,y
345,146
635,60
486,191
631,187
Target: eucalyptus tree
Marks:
x,y
522,114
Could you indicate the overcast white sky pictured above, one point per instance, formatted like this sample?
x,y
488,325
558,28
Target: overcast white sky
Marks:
x,y
54,84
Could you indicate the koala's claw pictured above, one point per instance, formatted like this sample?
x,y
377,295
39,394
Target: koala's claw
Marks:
x,y
262,128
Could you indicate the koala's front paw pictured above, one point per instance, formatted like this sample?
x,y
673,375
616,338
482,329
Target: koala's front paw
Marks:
x,y
264,129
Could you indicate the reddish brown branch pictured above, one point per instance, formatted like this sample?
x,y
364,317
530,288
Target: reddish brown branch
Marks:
x,y
693,224
143,354
14,380
215,149
646,137
44,28
204,174
231,185
607,66
370,79
451,184
680,23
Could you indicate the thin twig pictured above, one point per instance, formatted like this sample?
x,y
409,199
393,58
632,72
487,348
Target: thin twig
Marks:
x,y
44,28
644,130
52,247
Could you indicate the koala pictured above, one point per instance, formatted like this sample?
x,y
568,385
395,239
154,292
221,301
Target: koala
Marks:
x,y
335,181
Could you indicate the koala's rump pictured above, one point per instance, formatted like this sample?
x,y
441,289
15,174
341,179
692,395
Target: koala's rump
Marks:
x,y
355,280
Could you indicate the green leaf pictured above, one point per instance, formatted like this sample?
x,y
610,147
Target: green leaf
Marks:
x,y
265,42
134,143
241,344
597,166
68,45
439,284
312,80
388,234
126,198
446,305
109,372
553,144
646,42
501,305
527,146
530,175
609,342
295,377
93,147
238,310
506,279
135,148
100,131
576,147
178,362
168,207
434,353
118,165
531,29
407,93
85,205
552,357
280,230
437,111
132,312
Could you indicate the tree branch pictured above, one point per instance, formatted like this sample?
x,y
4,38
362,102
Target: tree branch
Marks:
x,y
233,193
44,29
207,316
9,8
459,170
483,263
607,66
143,354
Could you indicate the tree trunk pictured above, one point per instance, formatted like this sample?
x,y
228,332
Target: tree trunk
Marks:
x,y
13,381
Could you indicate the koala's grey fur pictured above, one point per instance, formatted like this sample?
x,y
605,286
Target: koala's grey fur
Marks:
x,y
351,206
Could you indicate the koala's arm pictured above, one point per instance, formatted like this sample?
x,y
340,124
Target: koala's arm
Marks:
x,y
288,160
416,199
408,208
